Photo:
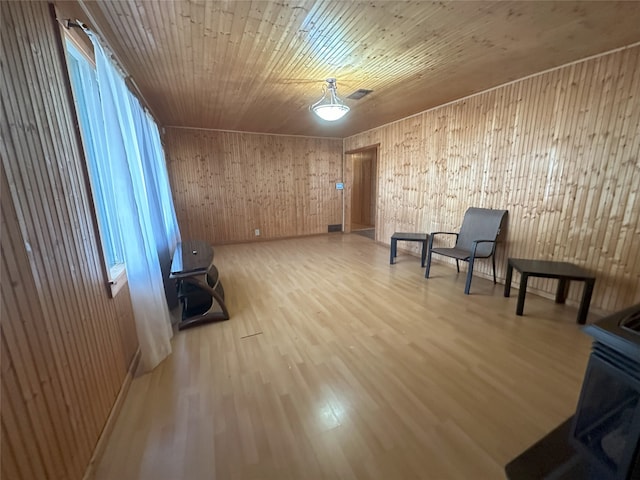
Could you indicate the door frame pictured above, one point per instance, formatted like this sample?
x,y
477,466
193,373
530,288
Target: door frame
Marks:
x,y
347,178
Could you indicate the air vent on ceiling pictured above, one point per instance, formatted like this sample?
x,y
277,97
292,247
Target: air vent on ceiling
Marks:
x,y
358,94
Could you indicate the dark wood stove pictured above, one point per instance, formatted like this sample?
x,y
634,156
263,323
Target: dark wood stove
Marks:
x,y
606,425
602,440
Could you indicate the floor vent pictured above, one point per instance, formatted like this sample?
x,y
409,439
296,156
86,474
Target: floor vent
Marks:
x,y
335,228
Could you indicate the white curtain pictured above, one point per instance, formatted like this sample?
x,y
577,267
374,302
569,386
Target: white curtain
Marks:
x,y
145,211
157,181
90,115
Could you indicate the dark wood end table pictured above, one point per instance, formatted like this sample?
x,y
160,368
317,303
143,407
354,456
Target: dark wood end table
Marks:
x,y
563,271
408,237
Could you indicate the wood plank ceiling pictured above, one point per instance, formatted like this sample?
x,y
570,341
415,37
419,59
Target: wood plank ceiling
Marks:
x,y
256,66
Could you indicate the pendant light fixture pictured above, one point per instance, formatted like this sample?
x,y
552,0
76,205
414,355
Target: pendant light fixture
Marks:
x,y
330,107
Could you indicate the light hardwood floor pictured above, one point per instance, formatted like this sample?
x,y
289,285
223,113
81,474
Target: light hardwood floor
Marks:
x,y
337,365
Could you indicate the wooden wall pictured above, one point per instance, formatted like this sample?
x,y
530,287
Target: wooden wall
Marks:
x,y
227,184
559,150
66,345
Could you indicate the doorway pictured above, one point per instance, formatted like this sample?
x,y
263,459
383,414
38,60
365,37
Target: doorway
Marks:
x,y
362,181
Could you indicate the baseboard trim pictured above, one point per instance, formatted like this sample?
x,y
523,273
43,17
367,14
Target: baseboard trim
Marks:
x,y
101,444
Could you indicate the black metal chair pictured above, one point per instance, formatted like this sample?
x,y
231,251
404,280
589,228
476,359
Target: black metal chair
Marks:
x,y
476,239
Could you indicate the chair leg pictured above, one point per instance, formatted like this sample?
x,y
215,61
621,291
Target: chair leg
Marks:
x,y
457,265
467,285
426,273
493,257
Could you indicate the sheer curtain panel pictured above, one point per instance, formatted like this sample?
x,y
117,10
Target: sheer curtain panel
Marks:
x,y
144,205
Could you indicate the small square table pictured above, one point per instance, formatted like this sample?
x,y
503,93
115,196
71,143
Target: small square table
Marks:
x,y
563,271
408,237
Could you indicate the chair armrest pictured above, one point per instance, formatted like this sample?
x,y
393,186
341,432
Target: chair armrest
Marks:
x,y
433,234
475,246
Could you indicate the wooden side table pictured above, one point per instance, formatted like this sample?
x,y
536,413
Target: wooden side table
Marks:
x,y
408,237
563,271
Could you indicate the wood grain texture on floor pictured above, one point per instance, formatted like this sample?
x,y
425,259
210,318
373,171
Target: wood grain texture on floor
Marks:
x,y
337,365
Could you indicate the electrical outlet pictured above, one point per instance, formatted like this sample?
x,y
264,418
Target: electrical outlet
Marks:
x,y
257,232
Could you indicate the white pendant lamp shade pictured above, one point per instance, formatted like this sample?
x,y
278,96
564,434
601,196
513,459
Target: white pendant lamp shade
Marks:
x,y
330,107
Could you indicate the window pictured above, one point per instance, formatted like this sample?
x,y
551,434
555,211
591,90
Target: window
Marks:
x,y
87,99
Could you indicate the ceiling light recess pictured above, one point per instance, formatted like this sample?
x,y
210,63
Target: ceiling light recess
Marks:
x,y
330,107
